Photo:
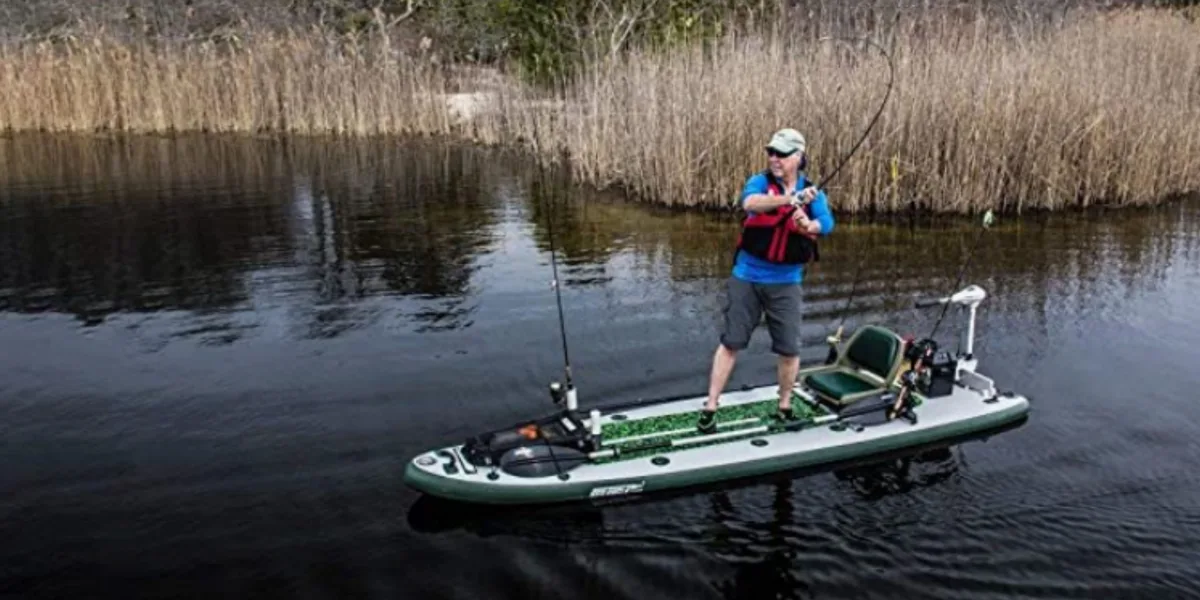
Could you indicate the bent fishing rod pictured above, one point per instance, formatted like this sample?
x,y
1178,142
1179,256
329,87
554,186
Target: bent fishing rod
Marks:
x,y
836,338
878,112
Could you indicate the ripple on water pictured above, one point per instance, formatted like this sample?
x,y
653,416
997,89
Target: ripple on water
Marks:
x,y
214,372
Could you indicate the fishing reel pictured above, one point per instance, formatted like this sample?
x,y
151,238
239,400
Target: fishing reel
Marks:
x,y
558,395
919,355
920,351
564,396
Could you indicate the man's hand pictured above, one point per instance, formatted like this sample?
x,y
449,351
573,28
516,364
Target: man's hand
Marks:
x,y
804,196
803,223
801,218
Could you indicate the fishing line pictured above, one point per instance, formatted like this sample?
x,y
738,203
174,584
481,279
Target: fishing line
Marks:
x,y
878,113
837,336
988,218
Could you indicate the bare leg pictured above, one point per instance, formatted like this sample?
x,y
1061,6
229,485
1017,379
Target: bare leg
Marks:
x,y
788,367
723,360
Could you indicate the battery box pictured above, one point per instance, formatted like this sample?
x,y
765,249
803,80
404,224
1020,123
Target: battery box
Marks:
x,y
940,380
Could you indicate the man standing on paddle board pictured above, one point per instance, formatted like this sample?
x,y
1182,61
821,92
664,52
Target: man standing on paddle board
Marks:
x,y
784,217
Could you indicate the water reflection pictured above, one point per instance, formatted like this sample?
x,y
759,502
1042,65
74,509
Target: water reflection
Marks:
x,y
358,302
901,475
412,223
95,226
327,231
777,535
91,233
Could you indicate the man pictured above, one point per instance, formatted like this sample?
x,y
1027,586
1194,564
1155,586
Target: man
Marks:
x,y
785,215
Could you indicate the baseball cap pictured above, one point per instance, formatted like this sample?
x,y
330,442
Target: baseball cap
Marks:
x,y
787,141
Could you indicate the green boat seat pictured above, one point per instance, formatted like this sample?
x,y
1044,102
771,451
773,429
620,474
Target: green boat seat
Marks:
x,y
837,385
869,363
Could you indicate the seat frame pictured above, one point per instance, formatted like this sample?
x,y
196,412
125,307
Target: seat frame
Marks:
x,y
843,364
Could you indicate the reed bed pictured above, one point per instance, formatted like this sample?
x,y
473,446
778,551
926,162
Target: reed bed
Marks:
x,y
1100,108
1105,109
301,82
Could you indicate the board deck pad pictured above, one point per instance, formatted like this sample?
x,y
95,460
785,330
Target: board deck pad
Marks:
x,y
762,410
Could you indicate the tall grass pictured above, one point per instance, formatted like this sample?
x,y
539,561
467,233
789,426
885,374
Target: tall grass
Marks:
x,y
298,82
1105,109
986,112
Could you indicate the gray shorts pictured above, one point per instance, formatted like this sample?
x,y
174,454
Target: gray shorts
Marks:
x,y
745,303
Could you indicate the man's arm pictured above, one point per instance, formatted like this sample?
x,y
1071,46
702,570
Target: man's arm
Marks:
x,y
763,202
822,221
755,197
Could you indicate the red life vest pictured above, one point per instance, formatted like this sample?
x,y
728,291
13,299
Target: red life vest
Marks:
x,y
773,236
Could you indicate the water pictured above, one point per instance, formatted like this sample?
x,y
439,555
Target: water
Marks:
x,y
219,353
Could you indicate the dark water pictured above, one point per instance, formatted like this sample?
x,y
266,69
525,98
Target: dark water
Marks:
x,y
218,356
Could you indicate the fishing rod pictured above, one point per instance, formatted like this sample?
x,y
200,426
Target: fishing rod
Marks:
x,y
988,219
562,327
874,119
836,338
557,392
878,112
921,352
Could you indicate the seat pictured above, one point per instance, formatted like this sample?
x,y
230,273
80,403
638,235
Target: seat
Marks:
x,y
869,364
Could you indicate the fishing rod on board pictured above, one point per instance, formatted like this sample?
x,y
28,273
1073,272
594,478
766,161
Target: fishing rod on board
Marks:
x,y
836,339
988,219
565,390
921,353
564,393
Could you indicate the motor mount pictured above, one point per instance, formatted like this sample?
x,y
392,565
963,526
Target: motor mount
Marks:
x,y
932,372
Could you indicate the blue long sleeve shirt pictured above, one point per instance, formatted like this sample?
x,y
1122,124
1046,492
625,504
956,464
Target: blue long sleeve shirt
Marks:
x,y
756,270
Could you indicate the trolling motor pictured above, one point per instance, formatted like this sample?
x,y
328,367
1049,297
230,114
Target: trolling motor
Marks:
x,y
967,299
933,373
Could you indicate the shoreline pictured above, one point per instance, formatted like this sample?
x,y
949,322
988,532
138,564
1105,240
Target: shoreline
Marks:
x,y
354,144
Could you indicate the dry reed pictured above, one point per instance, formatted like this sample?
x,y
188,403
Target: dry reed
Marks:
x,y
1104,108
301,82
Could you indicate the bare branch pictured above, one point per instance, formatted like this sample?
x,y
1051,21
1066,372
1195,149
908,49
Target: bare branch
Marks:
x,y
409,7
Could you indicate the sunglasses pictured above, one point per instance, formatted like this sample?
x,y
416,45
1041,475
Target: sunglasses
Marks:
x,y
777,154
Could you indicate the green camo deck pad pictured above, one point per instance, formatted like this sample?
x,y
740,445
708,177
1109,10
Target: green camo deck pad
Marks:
x,y
762,410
